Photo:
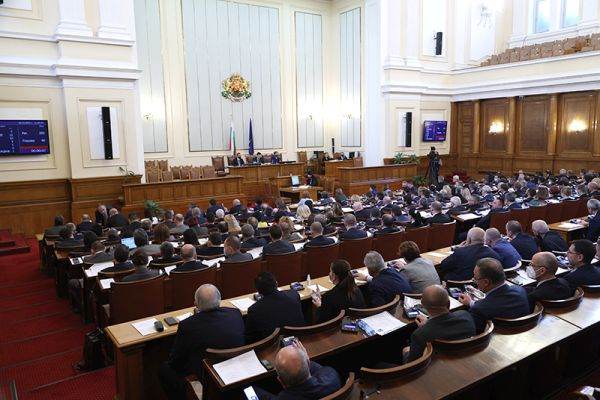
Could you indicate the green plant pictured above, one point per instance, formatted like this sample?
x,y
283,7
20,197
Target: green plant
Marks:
x,y
152,209
402,159
419,180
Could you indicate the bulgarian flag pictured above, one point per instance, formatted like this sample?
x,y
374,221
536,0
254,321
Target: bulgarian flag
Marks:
x,y
232,138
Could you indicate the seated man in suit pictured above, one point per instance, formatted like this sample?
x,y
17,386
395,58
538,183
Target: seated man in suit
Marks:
x,y
316,236
59,224
497,206
275,309
140,262
168,219
211,326
190,263
593,223
300,377
121,260
275,158
277,245
437,216
99,254
510,201
101,215
374,220
352,232
236,207
384,283
238,161
456,206
213,207
501,300
525,245
547,239
509,256
459,265
388,226
360,212
134,223
88,225
213,245
543,269
441,324
180,226
67,238
116,219
259,158
580,256
140,238
167,254
232,251
249,241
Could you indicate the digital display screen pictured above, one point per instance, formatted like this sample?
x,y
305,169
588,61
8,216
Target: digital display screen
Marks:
x,y
129,242
434,131
24,137
295,180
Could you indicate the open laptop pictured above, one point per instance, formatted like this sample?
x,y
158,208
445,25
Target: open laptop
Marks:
x,y
295,180
129,242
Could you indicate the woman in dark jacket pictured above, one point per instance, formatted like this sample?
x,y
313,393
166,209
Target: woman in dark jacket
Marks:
x,y
345,294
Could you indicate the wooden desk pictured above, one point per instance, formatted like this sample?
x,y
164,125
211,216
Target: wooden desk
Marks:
x,y
587,313
566,229
179,194
437,256
257,177
357,180
332,167
295,192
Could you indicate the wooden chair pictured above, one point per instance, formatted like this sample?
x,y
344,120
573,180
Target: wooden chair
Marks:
x,y
287,268
343,392
163,165
354,250
196,173
334,323
167,176
441,235
591,288
367,312
570,210
117,276
498,220
419,235
125,304
302,156
186,172
249,159
218,163
223,354
520,215
317,260
526,321
536,213
554,212
208,172
150,164
155,264
583,210
387,245
230,161
585,393
476,341
152,176
184,285
387,374
237,278
572,301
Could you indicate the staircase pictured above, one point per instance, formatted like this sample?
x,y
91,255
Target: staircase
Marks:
x,y
12,244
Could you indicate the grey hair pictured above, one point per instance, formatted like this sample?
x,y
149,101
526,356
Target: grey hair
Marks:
x,y
349,219
593,204
492,234
539,226
247,231
207,297
455,200
374,262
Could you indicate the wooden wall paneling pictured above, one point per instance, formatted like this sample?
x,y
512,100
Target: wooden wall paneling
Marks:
x,y
576,106
87,193
453,128
553,125
476,126
494,111
596,130
533,125
464,127
511,125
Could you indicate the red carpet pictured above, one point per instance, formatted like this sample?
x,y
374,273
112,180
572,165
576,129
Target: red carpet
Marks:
x,y
42,339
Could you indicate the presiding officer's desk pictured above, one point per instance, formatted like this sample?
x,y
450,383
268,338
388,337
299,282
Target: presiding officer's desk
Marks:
x,y
359,179
263,172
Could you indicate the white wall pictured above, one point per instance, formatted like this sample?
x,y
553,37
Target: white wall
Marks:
x,y
350,77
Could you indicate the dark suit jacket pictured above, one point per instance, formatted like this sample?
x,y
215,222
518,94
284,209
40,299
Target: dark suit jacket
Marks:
x,y
279,247
460,264
319,241
209,251
145,273
118,267
504,302
235,209
86,226
440,218
128,231
353,233
525,245
335,300
584,275
484,222
515,206
213,209
552,241
385,286
275,159
189,266
274,310
101,218
53,231
363,214
594,228
68,243
117,220
253,242
322,382
509,256
238,161
553,289
457,210
238,257
386,230
451,326
222,328
98,258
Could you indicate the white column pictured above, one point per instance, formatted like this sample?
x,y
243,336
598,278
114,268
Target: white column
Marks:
x,y
391,41
116,20
72,19
412,32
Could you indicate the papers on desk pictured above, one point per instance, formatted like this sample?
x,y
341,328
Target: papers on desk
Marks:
x,y
569,225
441,255
214,261
239,368
145,327
410,302
76,260
467,216
202,241
255,252
485,212
105,283
347,209
169,269
425,214
380,324
319,208
299,246
183,316
263,224
92,271
314,288
243,304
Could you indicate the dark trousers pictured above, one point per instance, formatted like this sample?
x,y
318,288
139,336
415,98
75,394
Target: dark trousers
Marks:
x,y
174,384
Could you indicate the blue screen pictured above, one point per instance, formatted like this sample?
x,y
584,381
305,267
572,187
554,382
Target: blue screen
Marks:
x,y
22,137
434,131
129,242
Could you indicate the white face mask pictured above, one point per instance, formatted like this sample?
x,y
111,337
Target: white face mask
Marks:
x,y
530,272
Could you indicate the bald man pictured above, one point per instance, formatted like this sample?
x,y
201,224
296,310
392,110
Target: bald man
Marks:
x,y
188,254
460,264
441,324
300,377
543,269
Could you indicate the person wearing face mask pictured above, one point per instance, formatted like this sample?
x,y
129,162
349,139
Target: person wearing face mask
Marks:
x,y
543,269
501,300
345,294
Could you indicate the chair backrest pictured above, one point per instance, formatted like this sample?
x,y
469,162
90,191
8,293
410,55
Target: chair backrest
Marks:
x,y
570,210
420,236
302,156
287,268
163,165
498,220
117,276
591,288
366,312
221,354
230,160
209,172
125,304
582,210
521,215
536,213
196,173
469,343
386,374
152,176
343,392
572,301
387,245
354,250
237,278
317,260
334,323
554,212
167,176
529,320
218,163
184,285
249,159
150,164
441,235
155,264
176,172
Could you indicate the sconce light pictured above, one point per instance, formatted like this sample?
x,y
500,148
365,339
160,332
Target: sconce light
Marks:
x,y
496,127
147,116
577,126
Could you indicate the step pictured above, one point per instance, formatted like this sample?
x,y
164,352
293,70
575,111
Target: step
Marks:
x,y
14,250
7,243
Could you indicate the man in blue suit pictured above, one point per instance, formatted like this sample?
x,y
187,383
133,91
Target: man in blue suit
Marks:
x,y
384,283
509,256
352,232
460,264
510,201
316,236
580,255
275,158
593,223
277,244
522,242
501,300
547,239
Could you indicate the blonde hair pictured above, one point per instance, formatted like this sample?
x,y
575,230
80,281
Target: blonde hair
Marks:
x,y
303,212
233,226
